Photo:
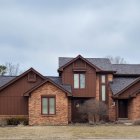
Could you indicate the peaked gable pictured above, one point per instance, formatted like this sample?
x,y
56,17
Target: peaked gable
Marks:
x,y
131,85
52,82
20,76
75,59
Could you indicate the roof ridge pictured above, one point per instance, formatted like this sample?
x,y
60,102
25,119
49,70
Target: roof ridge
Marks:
x,y
87,57
53,76
125,64
7,76
65,57
96,58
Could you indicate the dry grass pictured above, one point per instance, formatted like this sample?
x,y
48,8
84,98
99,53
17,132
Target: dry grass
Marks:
x,y
68,132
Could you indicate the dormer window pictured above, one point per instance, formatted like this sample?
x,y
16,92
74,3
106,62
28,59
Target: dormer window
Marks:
x,y
79,80
31,77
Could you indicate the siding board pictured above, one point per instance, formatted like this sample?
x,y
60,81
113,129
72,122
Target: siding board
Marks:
x,y
12,101
90,73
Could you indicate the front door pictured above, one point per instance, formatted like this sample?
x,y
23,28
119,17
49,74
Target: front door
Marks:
x,y
76,115
123,108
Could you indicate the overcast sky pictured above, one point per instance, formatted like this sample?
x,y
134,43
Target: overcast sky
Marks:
x,y
34,33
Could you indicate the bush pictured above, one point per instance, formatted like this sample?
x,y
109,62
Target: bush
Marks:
x,y
17,121
94,110
137,122
3,122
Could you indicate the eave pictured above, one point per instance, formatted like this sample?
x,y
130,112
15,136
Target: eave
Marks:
x,y
47,80
20,76
74,59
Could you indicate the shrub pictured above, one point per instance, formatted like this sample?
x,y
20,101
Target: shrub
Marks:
x,y
95,110
17,121
3,122
137,122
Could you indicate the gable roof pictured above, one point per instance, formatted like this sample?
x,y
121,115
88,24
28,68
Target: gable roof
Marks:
x,y
103,64
126,69
10,81
58,81
55,81
5,79
120,83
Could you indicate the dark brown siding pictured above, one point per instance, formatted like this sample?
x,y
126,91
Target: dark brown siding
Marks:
x,y
90,73
12,101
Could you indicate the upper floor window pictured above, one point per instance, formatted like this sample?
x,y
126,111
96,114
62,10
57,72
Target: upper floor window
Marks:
x,y
79,80
103,87
103,79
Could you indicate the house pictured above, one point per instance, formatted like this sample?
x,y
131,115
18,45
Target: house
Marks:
x,y
48,100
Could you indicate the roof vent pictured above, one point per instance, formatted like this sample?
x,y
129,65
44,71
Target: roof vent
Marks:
x,y
31,77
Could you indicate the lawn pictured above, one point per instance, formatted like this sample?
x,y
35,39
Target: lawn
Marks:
x,y
68,132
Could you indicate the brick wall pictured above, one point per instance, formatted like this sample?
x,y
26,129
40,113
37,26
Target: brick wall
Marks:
x,y
69,111
97,87
35,116
134,108
111,107
111,104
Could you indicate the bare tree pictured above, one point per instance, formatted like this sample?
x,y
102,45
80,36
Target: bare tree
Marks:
x,y
116,60
2,69
12,69
94,110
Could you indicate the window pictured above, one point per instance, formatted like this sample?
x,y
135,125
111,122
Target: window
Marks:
x,y
79,80
48,105
103,90
76,80
103,87
82,80
103,78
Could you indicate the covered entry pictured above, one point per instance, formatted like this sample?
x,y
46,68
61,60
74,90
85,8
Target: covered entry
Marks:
x,y
76,115
123,108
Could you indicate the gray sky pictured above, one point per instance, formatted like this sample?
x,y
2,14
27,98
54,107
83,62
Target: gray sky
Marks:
x,y
34,33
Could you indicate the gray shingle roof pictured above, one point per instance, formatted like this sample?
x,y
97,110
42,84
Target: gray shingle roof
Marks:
x,y
126,68
64,60
5,79
102,63
105,64
58,81
120,83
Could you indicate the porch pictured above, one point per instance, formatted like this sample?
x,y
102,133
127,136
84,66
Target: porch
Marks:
x,y
128,108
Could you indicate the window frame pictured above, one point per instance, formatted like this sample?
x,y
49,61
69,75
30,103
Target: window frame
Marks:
x,y
105,85
79,80
48,97
103,96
